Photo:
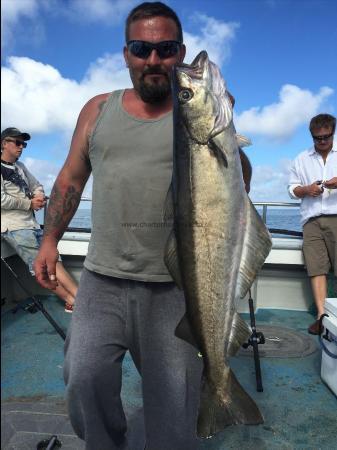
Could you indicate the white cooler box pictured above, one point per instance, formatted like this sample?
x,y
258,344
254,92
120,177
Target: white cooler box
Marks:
x,y
329,364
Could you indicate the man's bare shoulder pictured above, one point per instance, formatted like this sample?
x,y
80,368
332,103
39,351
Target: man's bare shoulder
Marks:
x,y
96,103
90,113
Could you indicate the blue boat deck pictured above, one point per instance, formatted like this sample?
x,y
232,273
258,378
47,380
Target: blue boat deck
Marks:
x,y
300,411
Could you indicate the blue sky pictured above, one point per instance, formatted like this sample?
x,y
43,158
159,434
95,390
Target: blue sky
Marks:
x,y
278,58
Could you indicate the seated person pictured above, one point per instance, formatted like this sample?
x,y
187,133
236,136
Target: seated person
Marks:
x,y
21,195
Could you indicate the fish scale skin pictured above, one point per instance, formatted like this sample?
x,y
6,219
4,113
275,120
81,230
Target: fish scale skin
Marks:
x,y
208,243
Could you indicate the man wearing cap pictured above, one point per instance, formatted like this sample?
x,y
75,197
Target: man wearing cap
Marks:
x,y
21,195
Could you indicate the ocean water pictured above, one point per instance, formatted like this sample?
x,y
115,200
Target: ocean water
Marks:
x,y
285,218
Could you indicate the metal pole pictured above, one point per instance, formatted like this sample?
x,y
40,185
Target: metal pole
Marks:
x,y
264,214
255,345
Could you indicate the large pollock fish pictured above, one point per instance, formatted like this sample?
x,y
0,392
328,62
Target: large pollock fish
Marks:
x,y
218,242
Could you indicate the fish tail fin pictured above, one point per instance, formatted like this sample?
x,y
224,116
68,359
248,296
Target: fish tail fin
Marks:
x,y
234,406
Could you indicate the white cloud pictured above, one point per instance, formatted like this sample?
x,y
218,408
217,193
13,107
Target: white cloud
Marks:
x,y
36,96
280,120
215,37
11,12
269,183
108,72
104,11
107,12
45,171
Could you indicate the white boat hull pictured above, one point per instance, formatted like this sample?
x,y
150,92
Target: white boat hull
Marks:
x,y
282,283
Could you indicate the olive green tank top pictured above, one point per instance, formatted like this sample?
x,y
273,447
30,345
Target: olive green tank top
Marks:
x,y
131,163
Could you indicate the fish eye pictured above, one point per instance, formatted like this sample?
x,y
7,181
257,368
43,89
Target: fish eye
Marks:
x,y
185,95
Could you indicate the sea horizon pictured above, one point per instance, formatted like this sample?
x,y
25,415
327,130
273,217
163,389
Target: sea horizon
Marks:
x,y
282,218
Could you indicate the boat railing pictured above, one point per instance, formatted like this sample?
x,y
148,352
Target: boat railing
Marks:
x,y
281,231
265,206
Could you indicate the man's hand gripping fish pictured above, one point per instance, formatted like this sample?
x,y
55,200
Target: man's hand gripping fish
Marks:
x,y
219,241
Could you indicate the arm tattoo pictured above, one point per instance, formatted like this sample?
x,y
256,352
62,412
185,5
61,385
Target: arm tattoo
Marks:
x,y
61,208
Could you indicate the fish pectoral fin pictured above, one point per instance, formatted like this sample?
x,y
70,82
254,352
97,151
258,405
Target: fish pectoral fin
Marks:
x,y
168,212
239,334
256,247
227,405
171,260
217,151
184,331
242,141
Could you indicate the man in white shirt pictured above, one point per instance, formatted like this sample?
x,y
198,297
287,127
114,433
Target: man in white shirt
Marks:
x,y
313,179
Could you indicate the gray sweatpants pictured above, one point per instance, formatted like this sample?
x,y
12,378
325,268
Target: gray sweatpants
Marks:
x,y
112,316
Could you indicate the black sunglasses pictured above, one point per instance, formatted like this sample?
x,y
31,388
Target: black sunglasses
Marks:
x,y
324,137
143,49
17,142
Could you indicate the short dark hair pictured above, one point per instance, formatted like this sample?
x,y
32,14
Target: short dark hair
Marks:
x,y
322,121
152,9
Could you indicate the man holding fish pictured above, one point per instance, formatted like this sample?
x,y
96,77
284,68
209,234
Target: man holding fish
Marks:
x,y
127,299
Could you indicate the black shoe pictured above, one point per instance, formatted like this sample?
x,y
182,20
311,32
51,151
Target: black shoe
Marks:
x,y
316,327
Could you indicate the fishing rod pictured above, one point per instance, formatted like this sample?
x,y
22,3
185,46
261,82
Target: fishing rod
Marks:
x,y
36,302
52,442
254,340
49,444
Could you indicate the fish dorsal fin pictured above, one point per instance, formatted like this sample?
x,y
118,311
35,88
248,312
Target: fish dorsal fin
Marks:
x,y
200,60
239,334
171,260
256,247
224,111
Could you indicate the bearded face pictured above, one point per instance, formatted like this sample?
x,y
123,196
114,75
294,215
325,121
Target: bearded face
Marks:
x,y
153,86
151,75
